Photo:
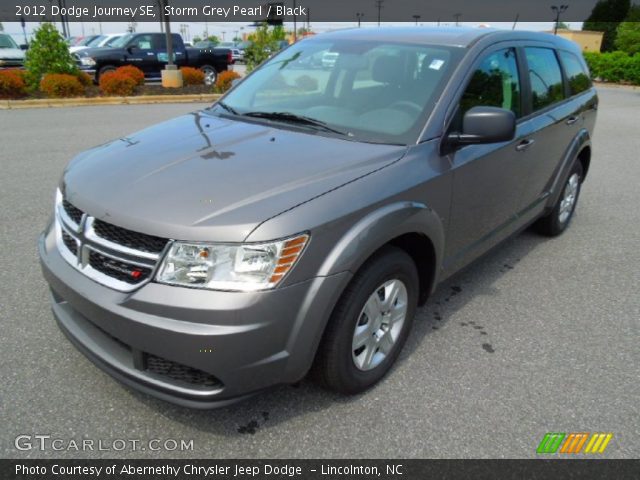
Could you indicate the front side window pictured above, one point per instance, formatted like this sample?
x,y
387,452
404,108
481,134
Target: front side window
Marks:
x,y
368,90
577,74
495,83
545,76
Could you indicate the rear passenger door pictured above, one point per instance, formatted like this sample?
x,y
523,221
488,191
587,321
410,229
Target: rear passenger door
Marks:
x,y
552,120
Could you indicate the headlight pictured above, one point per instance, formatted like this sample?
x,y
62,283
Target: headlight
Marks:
x,y
244,267
87,61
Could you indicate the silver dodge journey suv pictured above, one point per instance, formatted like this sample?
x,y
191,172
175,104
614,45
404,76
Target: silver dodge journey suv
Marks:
x,y
295,226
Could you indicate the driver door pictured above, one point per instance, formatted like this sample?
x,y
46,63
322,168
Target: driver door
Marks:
x,y
488,179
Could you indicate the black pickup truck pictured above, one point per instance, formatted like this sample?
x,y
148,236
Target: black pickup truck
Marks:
x,y
148,52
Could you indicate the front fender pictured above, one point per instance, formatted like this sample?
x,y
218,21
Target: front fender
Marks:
x,y
380,227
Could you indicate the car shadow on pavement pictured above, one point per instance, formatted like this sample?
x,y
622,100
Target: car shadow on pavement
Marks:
x,y
280,404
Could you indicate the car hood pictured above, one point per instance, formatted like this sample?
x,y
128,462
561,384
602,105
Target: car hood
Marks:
x,y
11,54
204,177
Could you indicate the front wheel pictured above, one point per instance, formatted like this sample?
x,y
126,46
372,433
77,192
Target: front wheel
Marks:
x,y
558,219
370,323
210,75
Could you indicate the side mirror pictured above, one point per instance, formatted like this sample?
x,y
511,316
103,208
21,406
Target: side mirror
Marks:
x,y
485,125
24,46
130,49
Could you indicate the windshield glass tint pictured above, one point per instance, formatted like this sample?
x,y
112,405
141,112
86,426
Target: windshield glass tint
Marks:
x,y
7,42
373,91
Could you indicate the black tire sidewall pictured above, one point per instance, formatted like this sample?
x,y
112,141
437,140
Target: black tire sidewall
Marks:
x,y
394,264
557,226
105,69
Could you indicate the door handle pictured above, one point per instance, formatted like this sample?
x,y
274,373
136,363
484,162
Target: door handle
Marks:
x,y
572,120
523,145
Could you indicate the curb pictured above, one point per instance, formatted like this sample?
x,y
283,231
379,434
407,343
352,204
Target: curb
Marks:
x,y
82,102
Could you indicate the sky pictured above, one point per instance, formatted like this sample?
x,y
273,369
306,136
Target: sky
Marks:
x,y
230,29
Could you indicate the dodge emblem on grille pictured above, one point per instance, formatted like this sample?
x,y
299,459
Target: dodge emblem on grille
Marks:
x,y
111,265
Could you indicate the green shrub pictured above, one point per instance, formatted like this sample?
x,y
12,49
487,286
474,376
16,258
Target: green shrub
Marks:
x,y
48,53
61,85
615,67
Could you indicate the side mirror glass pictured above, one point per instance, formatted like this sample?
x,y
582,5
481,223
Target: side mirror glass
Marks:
x,y
485,125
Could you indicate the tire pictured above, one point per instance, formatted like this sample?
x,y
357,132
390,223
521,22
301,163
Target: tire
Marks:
x,y
339,364
103,70
210,75
557,221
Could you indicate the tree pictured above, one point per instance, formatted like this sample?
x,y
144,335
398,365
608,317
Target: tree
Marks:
x,y
48,53
563,26
196,39
213,38
628,38
264,42
605,17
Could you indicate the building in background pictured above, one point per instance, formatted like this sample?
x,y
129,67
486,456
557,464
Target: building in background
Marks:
x,y
589,41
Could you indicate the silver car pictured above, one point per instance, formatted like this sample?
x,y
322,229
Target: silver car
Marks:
x,y
296,225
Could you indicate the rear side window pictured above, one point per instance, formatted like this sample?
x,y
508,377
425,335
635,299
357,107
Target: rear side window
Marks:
x,y
494,84
545,77
576,73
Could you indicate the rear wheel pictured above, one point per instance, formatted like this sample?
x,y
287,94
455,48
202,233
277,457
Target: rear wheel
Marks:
x,y
559,218
370,324
210,75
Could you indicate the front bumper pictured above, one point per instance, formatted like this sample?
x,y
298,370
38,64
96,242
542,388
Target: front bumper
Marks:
x,y
244,341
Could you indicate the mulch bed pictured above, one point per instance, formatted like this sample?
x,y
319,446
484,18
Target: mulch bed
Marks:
x,y
153,89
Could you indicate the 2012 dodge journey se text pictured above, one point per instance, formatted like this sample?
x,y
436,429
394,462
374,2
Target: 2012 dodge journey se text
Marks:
x,y
296,225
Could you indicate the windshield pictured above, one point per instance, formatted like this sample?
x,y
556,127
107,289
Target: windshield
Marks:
x,y
122,41
85,41
371,91
7,42
112,41
96,41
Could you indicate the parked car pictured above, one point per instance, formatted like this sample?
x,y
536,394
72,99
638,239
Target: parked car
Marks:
x,y
288,230
148,52
83,43
11,55
100,41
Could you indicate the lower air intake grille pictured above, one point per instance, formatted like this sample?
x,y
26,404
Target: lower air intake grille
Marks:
x,y
125,272
181,373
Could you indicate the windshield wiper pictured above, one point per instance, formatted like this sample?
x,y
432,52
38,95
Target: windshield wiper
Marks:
x,y
293,118
228,108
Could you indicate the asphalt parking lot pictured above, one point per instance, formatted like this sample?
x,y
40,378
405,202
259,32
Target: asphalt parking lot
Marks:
x,y
538,336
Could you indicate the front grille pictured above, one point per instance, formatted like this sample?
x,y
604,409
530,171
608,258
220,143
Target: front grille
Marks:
x,y
129,238
74,213
180,373
122,271
70,243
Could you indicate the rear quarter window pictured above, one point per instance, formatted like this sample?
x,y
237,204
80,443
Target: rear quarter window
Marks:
x,y
576,73
545,77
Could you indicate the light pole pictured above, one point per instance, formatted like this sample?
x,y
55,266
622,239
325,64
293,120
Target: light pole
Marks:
x,y
359,17
416,18
171,76
379,6
559,10
457,17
